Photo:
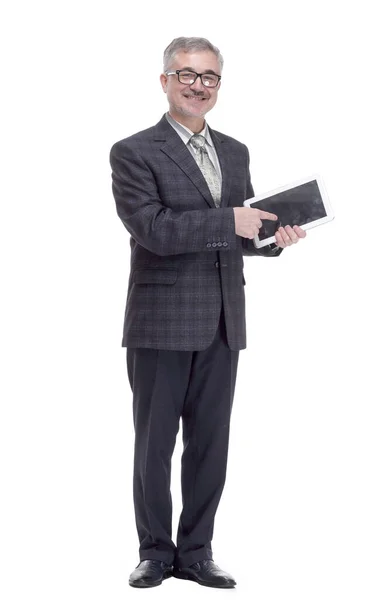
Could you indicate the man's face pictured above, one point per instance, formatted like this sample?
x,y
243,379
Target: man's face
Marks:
x,y
193,100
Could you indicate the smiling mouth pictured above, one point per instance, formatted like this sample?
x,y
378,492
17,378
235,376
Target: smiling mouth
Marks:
x,y
198,98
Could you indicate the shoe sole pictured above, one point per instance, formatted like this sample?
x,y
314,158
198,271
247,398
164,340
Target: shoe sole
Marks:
x,y
191,578
145,585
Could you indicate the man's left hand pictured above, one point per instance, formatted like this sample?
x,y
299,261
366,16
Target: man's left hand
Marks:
x,y
286,236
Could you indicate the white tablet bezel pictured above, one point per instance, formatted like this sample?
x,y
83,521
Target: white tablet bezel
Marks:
x,y
326,203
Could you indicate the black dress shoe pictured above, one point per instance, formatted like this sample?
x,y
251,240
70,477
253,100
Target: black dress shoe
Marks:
x,y
205,572
150,573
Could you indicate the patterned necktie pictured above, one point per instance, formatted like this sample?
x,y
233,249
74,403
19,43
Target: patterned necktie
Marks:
x,y
207,167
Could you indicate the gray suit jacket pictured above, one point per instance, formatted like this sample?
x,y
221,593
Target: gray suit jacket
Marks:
x,y
186,259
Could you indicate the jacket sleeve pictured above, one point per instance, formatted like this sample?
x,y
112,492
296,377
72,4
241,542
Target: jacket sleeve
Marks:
x,y
156,227
248,246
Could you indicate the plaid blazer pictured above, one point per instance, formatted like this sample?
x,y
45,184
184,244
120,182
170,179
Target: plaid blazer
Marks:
x,y
186,260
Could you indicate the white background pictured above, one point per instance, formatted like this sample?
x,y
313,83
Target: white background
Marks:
x,y
300,516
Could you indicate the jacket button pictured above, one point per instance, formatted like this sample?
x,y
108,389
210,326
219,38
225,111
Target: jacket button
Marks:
x,y
219,243
208,245
224,243
216,264
214,244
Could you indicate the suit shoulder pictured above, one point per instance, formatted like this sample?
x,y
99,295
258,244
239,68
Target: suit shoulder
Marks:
x,y
134,141
229,139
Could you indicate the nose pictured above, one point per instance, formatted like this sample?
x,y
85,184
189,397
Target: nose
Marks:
x,y
198,85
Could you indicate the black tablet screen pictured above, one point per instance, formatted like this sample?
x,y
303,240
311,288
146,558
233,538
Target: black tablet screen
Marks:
x,y
297,206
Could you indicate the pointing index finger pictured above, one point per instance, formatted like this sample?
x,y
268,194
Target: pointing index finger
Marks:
x,y
266,215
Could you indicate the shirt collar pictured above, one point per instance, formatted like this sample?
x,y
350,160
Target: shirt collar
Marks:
x,y
186,133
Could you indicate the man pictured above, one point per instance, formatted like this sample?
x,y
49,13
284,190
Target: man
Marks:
x,y
179,189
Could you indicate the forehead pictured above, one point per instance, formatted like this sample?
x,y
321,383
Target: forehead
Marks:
x,y
198,61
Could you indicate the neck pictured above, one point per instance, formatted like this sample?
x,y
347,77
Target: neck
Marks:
x,y
195,124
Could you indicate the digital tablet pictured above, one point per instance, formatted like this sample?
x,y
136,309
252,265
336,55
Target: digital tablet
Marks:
x,y
304,203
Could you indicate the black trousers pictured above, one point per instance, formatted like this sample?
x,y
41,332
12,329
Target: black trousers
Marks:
x,y
197,386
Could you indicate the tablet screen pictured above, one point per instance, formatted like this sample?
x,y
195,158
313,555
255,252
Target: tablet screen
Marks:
x,y
296,206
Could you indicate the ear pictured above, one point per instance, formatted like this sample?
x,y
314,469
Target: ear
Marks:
x,y
164,81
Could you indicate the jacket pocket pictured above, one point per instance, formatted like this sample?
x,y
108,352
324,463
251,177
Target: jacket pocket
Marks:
x,y
162,276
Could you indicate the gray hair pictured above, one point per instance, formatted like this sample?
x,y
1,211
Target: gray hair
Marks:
x,y
189,44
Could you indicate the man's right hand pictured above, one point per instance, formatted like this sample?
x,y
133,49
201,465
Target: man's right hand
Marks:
x,y
248,221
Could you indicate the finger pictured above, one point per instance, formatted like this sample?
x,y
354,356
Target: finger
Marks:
x,y
292,234
285,236
279,241
299,231
266,215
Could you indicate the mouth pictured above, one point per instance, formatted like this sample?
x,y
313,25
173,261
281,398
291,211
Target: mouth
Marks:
x,y
195,98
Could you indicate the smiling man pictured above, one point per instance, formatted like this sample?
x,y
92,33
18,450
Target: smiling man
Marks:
x,y
179,189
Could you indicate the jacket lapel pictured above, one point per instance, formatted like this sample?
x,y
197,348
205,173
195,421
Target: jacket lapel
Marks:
x,y
175,148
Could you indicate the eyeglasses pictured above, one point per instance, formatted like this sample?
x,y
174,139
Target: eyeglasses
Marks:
x,y
188,77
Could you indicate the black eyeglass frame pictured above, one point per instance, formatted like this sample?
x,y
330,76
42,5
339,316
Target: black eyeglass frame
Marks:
x,y
178,71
